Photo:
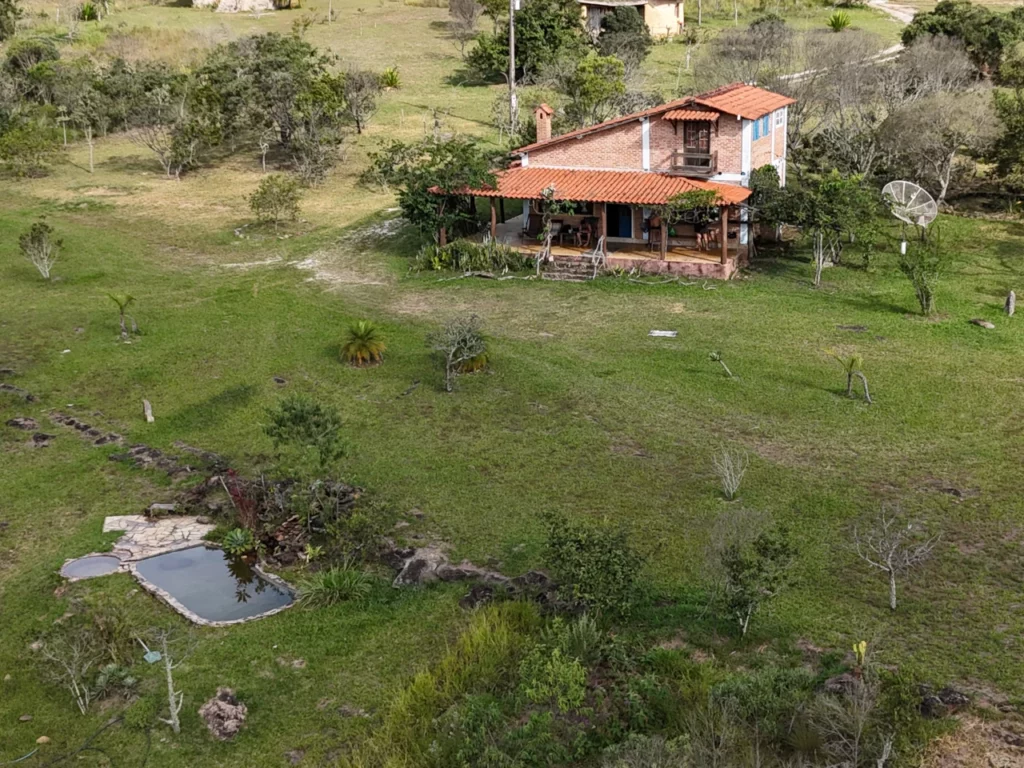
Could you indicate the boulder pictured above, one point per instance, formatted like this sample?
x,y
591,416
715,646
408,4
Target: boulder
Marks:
x,y
421,567
224,714
479,594
841,685
41,439
941,703
22,422
982,323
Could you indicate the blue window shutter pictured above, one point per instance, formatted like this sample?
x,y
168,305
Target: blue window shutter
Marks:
x,y
757,130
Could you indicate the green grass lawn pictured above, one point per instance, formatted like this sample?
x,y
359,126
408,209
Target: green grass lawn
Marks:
x,y
582,412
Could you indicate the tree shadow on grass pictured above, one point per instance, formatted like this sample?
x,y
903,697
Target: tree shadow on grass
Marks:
x,y
133,164
214,409
874,304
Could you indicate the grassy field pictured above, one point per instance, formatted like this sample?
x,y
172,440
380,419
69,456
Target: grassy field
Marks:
x,y
582,412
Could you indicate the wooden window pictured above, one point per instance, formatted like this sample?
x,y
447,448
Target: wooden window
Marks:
x,y
697,136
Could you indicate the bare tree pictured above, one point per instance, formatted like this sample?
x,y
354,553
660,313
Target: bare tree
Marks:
x,y
40,247
71,656
760,54
174,649
894,545
463,16
360,89
847,723
70,11
457,343
730,468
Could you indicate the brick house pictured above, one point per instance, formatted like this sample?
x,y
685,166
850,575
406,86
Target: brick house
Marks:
x,y
617,173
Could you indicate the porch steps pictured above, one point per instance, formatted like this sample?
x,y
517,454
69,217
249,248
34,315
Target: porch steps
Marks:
x,y
568,271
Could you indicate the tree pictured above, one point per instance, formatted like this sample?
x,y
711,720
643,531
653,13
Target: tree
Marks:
x,y
457,343
71,656
173,646
360,90
595,563
985,33
757,572
593,84
922,263
123,301
893,544
432,176
463,16
10,12
40,247
930,136
316,127
624,34
546,30
760,53
276,199
300,422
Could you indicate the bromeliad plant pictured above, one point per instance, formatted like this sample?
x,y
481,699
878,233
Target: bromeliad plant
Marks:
x,y
238,541
364,345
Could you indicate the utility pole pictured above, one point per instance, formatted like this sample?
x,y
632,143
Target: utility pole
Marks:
x,y
513,101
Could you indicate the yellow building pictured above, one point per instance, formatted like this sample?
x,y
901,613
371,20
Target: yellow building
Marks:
x,y
664,18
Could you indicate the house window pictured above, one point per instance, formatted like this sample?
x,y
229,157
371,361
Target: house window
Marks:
x,y
779,117
697,137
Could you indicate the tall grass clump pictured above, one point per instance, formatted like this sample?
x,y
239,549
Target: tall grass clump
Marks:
x,y
483,659
341,584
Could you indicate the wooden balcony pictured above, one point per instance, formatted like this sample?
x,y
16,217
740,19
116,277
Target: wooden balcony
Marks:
x,y
694,164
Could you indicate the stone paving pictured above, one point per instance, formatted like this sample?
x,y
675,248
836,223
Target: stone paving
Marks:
x,y
145,537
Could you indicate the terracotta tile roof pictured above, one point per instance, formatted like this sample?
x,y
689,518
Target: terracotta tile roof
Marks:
x,y
623,187
746,101
689,114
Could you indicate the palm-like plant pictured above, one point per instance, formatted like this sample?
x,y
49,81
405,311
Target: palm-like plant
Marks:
x,y
852,365
123,301
364,344
839,20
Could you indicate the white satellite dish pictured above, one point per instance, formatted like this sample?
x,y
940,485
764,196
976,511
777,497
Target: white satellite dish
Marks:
x,y
910,203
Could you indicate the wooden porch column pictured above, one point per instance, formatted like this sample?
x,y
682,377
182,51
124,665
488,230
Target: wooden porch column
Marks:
x,y
602,225
725,233
442,237
664,239
494,219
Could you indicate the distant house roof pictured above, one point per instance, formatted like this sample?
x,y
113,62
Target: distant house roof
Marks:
x,y
612,3
622,187
746,101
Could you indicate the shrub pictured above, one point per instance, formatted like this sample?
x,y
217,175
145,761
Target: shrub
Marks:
x,y
550,676
458,344
88,12
389,78
467,256
341,584
276,199
757,572
238,541
113,680
838,21
303,423
730,469
769,698
364,344
40,247
594,562
923,264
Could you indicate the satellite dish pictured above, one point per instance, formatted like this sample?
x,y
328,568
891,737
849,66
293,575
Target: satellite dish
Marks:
x,y
910,203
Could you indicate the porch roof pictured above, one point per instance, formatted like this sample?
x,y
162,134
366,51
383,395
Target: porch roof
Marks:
x,y
623,187
683,115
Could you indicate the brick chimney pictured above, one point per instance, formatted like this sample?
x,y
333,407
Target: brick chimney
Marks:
x,y
543,115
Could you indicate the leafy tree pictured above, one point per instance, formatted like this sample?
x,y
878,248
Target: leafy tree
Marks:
x,y
28,146
10,12
276,199
316,127
463,16
595,563
430,176
986,34
40,247
1009,147
360,90
593,84
757,572
923,264
546,30
624,34
300,422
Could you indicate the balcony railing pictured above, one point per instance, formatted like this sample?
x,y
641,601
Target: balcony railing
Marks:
x,y
694,163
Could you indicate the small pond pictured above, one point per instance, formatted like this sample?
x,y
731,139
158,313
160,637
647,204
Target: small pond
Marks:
x,y
89,566
212,586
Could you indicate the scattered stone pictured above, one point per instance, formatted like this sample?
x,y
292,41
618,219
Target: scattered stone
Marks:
x,y
36,646
1011,304
211,460
852,328
7,372
479,594
280,380
204,520
982,323
25,719
294,756
41,439
324,704
158,510
43,740
22,422
224,714
347,710
421,567
401,524
7,678
95,435
841,685
941,703
28,397
417,513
